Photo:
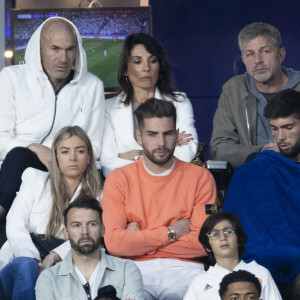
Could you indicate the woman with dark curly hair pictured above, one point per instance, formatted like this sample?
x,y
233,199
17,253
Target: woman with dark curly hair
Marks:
x,y
144,73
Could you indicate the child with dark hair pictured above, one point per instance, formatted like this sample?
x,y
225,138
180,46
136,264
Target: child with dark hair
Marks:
x,y
224,240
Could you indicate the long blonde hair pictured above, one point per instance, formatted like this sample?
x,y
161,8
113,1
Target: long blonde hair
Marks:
x,y
90,183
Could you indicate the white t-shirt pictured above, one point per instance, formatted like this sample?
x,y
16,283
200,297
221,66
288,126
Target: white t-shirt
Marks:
x,y
93,289
206,285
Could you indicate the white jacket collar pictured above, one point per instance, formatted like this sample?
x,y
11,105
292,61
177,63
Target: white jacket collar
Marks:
x,y
120,98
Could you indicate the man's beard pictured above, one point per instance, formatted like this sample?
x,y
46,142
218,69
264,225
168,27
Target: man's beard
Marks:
x,y
86,248
264,77
291,153
152,158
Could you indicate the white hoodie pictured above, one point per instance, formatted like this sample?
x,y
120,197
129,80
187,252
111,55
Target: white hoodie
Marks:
x,y
27,101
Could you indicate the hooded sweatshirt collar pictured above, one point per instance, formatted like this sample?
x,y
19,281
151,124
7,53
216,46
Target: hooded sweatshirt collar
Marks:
x,y
264,134
293,79
33,53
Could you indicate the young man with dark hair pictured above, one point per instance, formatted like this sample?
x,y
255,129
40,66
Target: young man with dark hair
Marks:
x,y
155,109
268,187
284,104
87,268
154,208
240,127
240,285
284,115
224,240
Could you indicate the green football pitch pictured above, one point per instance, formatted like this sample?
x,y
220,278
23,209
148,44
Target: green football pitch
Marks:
x,y
105,67
102,59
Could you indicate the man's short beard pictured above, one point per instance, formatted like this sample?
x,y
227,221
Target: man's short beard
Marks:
x,y
151,157
293,152
267,77
263,79
87,248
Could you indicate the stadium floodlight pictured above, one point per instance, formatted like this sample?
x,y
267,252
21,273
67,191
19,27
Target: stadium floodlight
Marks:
x,y
8,54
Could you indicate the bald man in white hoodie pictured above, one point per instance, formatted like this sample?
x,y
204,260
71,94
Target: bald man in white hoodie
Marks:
x,y
52,90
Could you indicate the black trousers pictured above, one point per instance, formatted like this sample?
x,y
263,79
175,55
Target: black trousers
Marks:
x,y
16,161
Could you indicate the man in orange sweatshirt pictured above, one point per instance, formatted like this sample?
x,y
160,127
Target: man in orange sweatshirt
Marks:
x,y
153,209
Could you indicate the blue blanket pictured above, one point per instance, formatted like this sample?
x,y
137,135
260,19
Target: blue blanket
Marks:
x,y
265,194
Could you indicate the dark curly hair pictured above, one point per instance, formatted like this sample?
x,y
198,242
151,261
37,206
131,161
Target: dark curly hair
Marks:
x,y
238,276
284,104
165,82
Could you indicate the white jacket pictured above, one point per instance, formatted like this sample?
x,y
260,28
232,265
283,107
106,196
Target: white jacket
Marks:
x,y
207,284
118,134
29,212
27,101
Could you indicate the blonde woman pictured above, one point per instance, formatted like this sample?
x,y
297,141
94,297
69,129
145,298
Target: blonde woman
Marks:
x,y
38,208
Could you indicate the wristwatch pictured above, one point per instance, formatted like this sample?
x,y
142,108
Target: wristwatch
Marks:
x,y
171,234
139,156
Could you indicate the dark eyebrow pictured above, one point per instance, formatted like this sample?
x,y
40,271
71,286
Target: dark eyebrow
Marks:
x,y
70,47
287,125
251,294
90,221
247,294
169,131
137,56
150,131
95,221
75,222
283,126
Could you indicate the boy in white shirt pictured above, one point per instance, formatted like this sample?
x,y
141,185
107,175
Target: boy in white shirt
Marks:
x,y
224,240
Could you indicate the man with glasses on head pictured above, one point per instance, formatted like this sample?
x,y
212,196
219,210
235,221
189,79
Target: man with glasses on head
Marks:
x,y
224,240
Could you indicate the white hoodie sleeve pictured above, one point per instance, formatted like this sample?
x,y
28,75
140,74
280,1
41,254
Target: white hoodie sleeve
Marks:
x,y
8,138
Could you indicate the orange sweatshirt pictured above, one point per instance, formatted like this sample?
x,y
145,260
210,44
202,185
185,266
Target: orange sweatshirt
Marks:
x,y
131,194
